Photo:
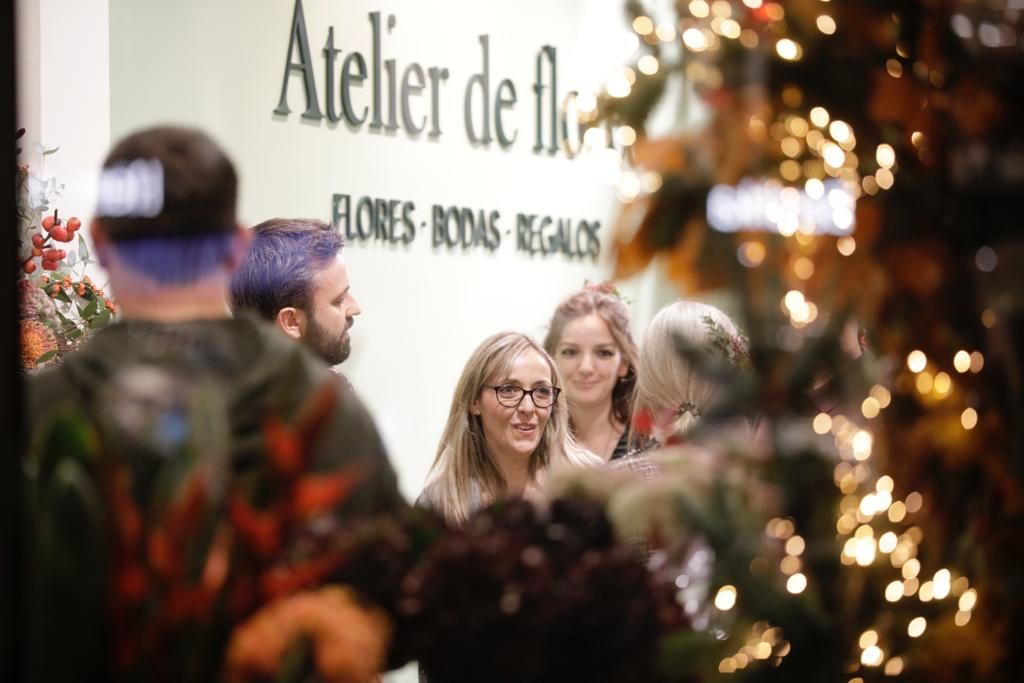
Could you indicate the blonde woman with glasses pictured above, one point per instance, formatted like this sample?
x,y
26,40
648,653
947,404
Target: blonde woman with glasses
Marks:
x,y
508,425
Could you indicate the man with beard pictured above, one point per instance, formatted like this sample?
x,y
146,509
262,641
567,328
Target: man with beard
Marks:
x,y
294,276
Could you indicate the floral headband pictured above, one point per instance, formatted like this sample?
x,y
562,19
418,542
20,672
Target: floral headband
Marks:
x,y
733,346
606,287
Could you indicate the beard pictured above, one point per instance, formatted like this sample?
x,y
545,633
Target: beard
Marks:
x,y
332,349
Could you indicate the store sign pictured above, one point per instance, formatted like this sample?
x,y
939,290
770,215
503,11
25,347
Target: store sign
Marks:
x,y
462,228
765,205
410,97
413,101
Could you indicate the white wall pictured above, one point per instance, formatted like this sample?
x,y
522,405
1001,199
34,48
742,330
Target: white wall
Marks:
x,y
219,66
64,98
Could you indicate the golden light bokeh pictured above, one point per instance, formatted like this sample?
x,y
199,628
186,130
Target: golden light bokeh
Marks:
x,y
648,64
897,512
643,25
916,360
862,441
788,49
962,361
803,268
666,32
751,254
911,569
870,408
694,40
790,565
885,155
868,638
894,667
872,656
625,135
725,599
968,600
977,361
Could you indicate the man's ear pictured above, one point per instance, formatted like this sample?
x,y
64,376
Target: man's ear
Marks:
x,y
240,242
291,321
100,242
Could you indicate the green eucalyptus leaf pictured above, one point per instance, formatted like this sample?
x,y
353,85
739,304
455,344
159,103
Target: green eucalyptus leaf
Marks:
x,y
75,333
83,248
49,355
89,311
101,320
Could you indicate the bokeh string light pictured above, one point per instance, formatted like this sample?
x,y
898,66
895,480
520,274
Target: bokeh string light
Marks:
x,y
811,156
807,144
866,513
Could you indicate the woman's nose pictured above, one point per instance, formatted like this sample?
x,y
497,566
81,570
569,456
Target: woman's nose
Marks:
x,y
527,405
586,363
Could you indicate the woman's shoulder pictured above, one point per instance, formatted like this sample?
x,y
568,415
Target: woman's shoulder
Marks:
x,y
578,456
430,497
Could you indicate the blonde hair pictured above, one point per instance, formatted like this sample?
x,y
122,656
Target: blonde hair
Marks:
x,y
680,334
601,301
462,459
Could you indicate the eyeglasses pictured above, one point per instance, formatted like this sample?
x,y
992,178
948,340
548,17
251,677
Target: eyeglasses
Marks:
x,y
511,395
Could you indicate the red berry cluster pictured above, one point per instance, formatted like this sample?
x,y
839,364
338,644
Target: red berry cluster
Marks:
x,y
42,246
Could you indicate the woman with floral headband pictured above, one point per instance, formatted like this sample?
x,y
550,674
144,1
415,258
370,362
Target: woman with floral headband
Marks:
x,y
688,351
590,339
508,424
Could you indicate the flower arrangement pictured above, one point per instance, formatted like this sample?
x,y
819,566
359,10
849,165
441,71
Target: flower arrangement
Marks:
x,y
520,594
59,304
345,640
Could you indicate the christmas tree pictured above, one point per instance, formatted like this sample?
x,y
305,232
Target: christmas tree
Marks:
x,y
855,180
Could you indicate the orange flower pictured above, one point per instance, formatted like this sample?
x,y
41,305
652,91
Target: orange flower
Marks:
x,y
36,340
348,641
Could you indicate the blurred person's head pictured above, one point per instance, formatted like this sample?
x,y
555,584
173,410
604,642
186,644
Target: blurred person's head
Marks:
x,y
495,426
686,345
590,340
294,276
165,226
